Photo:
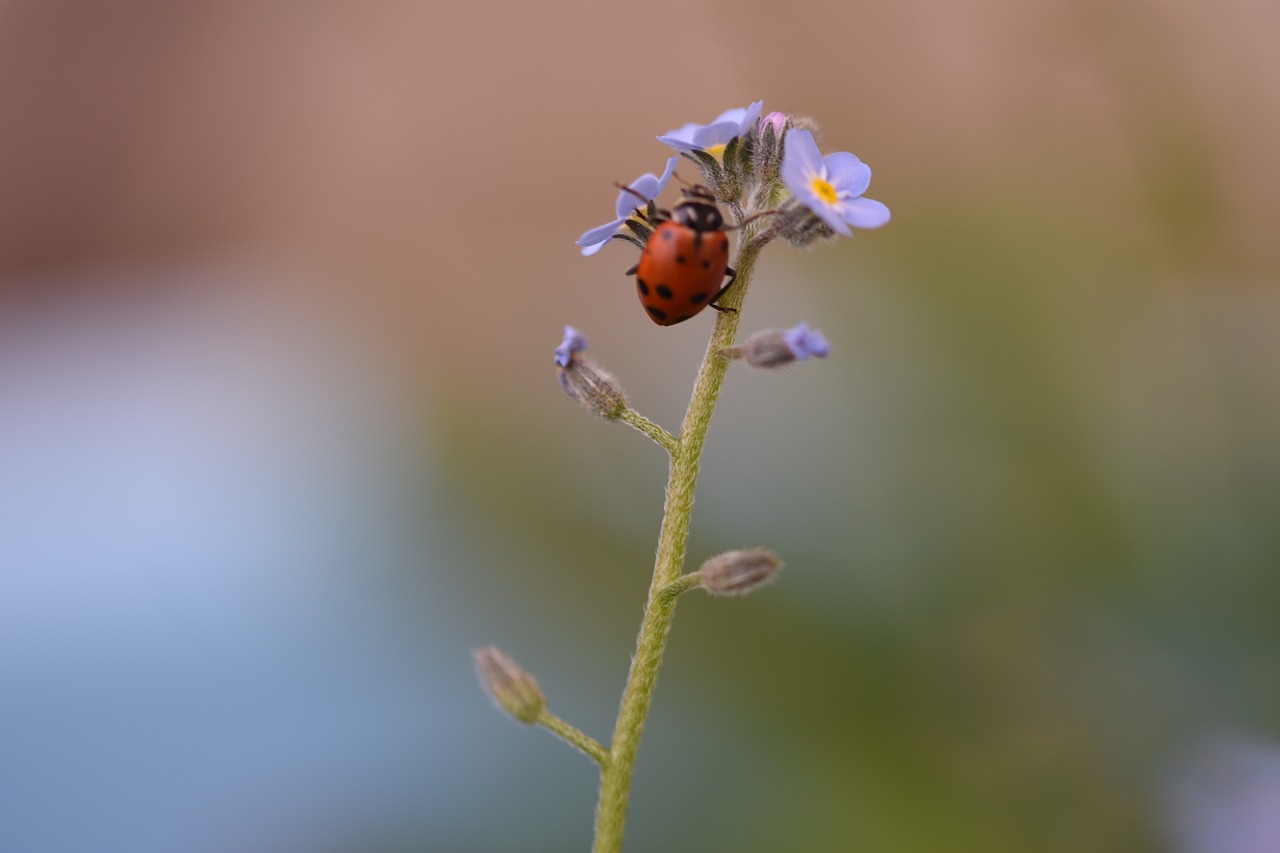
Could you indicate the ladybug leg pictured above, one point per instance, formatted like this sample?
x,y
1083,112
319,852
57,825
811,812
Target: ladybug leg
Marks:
x,y
713,301
633,270
744,223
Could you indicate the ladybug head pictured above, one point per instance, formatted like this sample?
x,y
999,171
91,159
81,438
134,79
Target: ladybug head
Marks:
x,y
698,210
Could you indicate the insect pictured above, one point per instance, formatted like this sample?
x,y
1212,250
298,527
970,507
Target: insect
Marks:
x,y
684,260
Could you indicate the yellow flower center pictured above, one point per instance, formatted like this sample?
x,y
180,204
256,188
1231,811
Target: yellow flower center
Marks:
x,y
716,151
822,189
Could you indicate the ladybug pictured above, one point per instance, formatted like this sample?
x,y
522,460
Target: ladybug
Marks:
x,y
684,260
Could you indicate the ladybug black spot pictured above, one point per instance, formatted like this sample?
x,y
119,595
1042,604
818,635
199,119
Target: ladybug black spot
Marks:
x,y
706,265
698,298
680,259
724,245
642,286
656,313
664,291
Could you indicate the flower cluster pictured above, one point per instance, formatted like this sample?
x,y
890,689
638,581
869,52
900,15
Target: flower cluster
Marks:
x,y
757,165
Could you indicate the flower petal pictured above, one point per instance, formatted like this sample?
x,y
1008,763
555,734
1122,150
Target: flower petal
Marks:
x,y
828,214
684,132
574,341
594,240
864,212
715,134
847,173
667,173
646,186
805,342
677,143
801,160
734,115
681,138
728,124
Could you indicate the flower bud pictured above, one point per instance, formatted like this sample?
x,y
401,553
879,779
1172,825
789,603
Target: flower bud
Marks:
x,y
574,342
594,389
511,688
739,572
775,348
767,154
775,120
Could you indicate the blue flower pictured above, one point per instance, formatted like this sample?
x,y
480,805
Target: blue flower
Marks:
x,y
805,342
713,137
648,186
574,341
830,186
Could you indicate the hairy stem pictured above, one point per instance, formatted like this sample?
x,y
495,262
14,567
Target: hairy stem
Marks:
x,y
660,436
582,741
686,456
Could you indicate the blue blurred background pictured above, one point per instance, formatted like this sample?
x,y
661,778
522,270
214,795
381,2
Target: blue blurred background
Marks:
x,y
280,437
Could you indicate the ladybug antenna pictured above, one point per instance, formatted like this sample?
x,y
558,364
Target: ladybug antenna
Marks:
x,y
627,189
681,179
752,218
648,208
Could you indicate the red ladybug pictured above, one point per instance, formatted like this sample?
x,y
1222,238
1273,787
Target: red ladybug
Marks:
x,y
685,260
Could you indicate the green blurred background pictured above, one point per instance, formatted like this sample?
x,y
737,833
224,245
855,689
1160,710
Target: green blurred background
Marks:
x,y
1029,505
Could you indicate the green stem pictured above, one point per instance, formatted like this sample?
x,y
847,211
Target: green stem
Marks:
x,y
660,436
686,456
681,585
584,742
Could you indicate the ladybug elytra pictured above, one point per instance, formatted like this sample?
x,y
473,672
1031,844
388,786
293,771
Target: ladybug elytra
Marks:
x,y
684,260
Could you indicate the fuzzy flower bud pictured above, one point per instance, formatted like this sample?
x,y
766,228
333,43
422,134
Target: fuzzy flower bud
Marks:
x,y
775,120
512,689
594,389
739,572
767,153
574,342
775,348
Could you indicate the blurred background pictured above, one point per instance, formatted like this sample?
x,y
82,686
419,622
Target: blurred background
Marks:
x,y
280,436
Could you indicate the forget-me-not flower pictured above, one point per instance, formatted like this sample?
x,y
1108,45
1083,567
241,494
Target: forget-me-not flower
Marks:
x,y
805,342
574,341
647,186
830,186
713,137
